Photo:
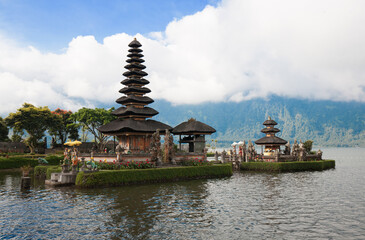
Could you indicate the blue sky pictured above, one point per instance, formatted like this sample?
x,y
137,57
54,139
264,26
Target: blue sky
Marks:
x,y
51,25
70,54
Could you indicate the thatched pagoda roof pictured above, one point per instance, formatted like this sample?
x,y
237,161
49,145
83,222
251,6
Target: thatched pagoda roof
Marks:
x,y
134,111
269,121
134,65
270,130
141,81
131,125
270,138
136,73
135,44
135,90
192,127
134,99
273,140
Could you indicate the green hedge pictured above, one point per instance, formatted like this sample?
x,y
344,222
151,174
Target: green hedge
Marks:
x,y
54,159
40,171
17,162
45,171
124,177
288,166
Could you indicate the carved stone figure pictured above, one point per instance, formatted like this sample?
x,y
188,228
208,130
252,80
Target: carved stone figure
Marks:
x,y
243,151
319,154
277,155
155,148
295,150
251,152
287,149
223,156
169,152
216,156
118,150
302,153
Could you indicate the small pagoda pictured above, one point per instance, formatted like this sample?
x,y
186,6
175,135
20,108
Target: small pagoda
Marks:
x,y
132,127
194,134
270,141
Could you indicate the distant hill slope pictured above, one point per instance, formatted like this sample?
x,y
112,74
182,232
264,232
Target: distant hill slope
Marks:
x,y
327,123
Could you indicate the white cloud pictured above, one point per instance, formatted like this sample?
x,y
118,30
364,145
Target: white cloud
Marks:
x,y
239,50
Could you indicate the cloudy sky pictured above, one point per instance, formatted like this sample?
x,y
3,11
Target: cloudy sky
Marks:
x,y
71,54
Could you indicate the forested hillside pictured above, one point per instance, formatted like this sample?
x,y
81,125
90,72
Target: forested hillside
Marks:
x,y
327,123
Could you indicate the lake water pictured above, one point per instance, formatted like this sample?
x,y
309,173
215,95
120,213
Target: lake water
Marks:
x,y
306,205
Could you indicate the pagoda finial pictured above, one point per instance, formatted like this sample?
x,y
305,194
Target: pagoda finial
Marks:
x,y
135,39
269,118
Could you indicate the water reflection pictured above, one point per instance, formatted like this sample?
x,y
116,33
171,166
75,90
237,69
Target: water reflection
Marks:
x,y
328,204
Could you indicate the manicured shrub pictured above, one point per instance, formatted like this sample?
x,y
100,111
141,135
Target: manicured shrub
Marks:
x,y
54,159
195,162
125,177
128,165
35,156
288,166
17,162
40,171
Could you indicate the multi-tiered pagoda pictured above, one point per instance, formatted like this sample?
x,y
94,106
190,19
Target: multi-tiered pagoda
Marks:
x,y
270,141
133,128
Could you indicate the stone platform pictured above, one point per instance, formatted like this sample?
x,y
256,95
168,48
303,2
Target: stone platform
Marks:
x,y
62,179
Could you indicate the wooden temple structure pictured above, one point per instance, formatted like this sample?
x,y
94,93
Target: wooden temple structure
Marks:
x,y
133,126
194,134
270,141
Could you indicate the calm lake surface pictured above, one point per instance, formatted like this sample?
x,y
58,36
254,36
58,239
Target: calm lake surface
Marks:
x,y
306,205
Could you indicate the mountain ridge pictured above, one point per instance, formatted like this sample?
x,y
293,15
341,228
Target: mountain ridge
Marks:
x,y
327,123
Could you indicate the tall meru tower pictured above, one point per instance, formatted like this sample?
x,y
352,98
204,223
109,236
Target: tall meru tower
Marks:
x,y
133,126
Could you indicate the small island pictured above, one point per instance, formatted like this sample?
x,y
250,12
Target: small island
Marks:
x,y
276,154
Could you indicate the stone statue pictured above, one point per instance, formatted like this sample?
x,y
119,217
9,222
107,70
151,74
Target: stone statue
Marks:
x,y
169,152
295,150
301,145
251,152
287,148
243,151
319,154
302,152
216,156
42,161
118,150
66,160
155,148
223,156
277,155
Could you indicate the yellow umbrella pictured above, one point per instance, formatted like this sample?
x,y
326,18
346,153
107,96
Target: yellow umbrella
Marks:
x,y
69,143
77,143
74,143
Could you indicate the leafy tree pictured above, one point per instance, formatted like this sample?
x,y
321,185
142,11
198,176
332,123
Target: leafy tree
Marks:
x,y
63,126
34,120
17,135
91,120
4,131
308,145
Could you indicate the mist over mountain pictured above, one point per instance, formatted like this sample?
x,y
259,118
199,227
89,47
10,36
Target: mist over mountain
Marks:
x,y
327,123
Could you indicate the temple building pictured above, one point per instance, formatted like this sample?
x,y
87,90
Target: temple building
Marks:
x,y
270,141
133,126
194,132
